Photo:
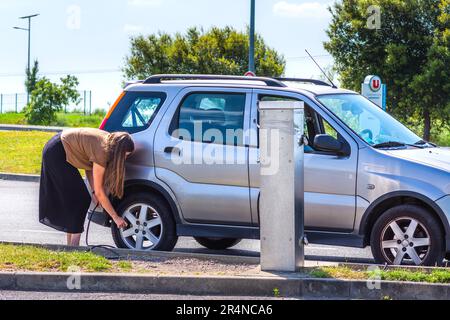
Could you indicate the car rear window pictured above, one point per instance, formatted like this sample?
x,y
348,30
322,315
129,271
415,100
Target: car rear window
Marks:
x,y
135,112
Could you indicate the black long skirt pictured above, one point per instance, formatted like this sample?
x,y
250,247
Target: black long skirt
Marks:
x,y
63,196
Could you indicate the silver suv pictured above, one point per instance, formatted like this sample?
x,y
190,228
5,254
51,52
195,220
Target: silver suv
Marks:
x,y
368,179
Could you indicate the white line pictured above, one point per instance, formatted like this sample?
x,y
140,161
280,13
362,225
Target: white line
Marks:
x,y
314,247
40,231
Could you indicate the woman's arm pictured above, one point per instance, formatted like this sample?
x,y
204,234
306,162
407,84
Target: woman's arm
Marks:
x,y
98,177
90,177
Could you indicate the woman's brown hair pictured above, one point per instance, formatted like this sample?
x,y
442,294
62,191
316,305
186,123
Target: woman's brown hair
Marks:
x,y
117,146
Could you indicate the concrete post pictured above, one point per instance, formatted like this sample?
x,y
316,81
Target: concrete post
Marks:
x,y
282,200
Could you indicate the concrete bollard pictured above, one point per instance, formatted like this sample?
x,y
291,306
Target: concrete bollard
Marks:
x,y
282,194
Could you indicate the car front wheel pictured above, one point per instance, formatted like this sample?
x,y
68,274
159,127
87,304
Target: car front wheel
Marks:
x,y
407,235
150,224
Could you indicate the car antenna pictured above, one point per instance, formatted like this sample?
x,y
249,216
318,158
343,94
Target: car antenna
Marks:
x,y
326,76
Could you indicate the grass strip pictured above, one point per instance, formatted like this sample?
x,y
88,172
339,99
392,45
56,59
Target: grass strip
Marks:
x,y
410,275
21,151
62,119
28,258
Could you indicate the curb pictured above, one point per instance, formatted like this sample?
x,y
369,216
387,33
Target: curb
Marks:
x,y
138,255
228,259
9,127
288,286
19,177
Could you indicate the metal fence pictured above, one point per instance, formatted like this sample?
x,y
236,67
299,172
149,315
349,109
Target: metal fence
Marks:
x,y
16,102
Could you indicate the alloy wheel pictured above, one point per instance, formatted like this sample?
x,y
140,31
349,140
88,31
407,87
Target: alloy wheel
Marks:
x,y
145,227
405,241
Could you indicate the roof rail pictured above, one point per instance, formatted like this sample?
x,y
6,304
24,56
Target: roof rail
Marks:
x,y
156,79
313,81
129,83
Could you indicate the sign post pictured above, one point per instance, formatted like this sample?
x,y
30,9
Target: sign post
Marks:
x,y
282,194
374,90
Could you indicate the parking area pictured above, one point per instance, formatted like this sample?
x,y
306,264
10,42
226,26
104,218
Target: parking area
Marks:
x,y
19,223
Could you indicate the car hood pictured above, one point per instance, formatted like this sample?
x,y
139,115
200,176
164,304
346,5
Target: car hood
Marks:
x,y
434,157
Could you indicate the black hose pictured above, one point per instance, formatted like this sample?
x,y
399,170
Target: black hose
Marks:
x,y
101,246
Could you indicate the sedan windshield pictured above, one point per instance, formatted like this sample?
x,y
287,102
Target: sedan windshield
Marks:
x,y
369,121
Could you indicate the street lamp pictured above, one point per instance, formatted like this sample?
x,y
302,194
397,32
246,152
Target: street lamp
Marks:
x,y
29,43
251,58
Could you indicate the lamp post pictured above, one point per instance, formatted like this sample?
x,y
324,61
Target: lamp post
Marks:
x,y
29,43
251,59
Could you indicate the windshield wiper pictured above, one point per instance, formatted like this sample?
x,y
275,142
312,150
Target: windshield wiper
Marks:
x,y
389,144
393,144
424,143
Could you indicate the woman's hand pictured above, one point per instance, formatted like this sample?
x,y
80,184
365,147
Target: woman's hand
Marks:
x,y
120,222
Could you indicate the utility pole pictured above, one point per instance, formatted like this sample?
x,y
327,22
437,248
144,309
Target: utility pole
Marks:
x,y
29,44
251,66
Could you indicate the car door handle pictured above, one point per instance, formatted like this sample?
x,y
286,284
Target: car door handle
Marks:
x,y
172,150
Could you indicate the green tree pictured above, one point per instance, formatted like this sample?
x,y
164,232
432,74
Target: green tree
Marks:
x,y
216,51
431,87
32,77
48,98
408,52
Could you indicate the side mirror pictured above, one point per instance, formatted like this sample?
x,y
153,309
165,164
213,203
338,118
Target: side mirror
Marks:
x,y
326,143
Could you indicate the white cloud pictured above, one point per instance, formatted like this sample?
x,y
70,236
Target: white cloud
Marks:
x,y
144,3
303,10
132,29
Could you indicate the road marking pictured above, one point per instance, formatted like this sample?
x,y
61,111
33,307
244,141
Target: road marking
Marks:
x,y
40,231
313,247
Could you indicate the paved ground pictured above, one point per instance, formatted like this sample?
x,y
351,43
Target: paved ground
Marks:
x,y
19,223
32,295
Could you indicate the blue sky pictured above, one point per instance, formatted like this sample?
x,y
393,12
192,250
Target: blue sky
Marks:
x,y
91,38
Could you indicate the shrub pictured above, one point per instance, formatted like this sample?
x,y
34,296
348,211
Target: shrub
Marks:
x,y
48,98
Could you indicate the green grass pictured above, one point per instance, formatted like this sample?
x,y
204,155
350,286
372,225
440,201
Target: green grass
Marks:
x,y
12,118
21,152
79,120
416,275
442,139
27,258
63,119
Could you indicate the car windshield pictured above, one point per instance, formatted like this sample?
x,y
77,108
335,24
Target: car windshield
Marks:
x,y
369,121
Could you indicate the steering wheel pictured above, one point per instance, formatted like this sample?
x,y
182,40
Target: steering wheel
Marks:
x,y
368,132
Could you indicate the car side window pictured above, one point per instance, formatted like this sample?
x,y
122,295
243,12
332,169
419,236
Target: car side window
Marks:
x,y
322,126
308,124
211,118
140,112
329,130
135,111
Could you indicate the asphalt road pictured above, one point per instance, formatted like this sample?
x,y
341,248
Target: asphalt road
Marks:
x,y
36,295
19,223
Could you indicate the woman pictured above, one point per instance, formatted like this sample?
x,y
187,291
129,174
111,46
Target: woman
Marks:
x,y
64,198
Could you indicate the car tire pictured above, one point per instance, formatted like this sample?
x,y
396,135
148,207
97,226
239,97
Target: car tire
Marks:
x,y
407,234
149,219
217,243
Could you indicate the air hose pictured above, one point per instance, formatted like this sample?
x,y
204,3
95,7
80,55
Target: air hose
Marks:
x,y
101,246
